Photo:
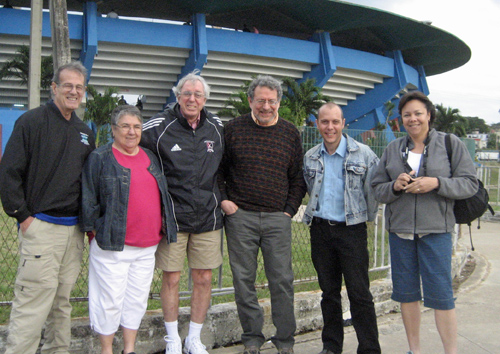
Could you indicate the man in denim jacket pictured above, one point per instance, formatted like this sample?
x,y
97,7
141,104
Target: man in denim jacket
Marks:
x,y
337,173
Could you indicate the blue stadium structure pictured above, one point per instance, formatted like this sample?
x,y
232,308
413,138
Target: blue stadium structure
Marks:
x,y
360,56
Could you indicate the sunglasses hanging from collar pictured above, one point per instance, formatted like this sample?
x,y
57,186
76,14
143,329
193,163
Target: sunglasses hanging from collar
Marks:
x,y
405,152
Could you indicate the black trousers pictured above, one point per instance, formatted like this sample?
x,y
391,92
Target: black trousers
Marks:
x,y
336,251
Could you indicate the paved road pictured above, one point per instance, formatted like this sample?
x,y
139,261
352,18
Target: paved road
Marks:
x,y
478,311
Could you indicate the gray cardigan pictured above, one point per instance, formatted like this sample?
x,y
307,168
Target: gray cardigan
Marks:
x,y
430,212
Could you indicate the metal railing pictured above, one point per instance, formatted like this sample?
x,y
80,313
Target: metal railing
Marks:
x,y
222,279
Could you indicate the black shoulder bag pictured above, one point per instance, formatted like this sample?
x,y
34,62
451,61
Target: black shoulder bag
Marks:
x,y
472,208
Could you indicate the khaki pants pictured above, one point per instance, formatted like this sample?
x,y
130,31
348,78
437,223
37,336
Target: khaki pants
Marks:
x,y
50,258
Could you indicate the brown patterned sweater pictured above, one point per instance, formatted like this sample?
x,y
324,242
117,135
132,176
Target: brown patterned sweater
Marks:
x,y
261,169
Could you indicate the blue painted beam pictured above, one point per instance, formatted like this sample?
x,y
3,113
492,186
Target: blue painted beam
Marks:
x,y
198,54
422,82
368,119
383,119
351,59
18,22
89,45
118,30
323,71
220,40
403,75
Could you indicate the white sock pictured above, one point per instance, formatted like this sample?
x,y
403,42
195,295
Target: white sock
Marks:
x,y
172,329
194,330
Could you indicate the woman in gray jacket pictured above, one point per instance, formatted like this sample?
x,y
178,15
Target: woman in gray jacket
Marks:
x,y
418,184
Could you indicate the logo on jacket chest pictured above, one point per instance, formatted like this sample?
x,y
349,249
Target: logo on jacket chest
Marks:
x,y
84,138
210,145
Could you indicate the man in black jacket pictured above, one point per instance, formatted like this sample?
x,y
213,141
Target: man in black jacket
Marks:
x,y
189,143
40,176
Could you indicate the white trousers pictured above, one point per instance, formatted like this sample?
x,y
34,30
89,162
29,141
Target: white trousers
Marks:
x,y
119,285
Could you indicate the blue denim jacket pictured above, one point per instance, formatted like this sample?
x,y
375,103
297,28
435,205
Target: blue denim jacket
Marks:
x,y
105,194
359,165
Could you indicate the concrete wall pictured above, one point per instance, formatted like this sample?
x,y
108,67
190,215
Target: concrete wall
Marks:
x,y
222,326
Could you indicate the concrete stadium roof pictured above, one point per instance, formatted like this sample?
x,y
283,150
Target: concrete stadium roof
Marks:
x,y
350,26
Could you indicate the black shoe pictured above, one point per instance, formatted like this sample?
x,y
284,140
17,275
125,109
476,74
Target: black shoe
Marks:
x,y
326,351
285,350
252,349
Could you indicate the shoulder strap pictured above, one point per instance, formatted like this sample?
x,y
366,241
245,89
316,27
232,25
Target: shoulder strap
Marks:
x,y
447,143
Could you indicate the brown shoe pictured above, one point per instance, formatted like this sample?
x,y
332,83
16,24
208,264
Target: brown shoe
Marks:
x,y
285,350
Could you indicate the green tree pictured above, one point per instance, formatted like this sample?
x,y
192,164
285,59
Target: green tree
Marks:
x,y
302,99
237,103
389,107
492,141
298,102
18,67
99,110
475,123
449,120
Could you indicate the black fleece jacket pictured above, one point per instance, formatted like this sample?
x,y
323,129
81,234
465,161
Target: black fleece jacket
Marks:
x,y
190,160
41,168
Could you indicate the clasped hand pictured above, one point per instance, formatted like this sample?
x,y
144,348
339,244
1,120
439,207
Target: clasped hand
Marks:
x,y
408,183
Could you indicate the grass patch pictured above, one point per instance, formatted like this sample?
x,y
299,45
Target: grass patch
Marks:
x,y
302,267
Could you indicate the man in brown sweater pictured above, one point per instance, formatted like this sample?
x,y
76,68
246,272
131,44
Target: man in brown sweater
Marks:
x,y
262,187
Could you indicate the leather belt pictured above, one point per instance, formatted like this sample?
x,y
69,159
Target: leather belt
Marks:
x,y
317,220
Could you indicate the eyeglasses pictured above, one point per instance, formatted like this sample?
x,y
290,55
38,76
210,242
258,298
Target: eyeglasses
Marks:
x,y
188,94
126,127
270,102
69,87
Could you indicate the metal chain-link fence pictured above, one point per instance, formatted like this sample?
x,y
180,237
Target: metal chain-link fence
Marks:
x,y
222,279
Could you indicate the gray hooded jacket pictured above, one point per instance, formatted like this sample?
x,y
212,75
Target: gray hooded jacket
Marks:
x,y
430,212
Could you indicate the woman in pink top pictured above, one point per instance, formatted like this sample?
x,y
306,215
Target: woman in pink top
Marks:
x,y
127,211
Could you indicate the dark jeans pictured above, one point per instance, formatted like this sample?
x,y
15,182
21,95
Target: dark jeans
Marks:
x,y
342,250
246,233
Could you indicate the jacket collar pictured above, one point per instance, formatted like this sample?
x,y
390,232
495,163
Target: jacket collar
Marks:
x,y
51,104
183,121
408,142
351,146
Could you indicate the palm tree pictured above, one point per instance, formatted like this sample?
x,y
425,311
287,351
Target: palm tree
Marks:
x,y
18,67
449,120
299,101
99,110
302,99
237,103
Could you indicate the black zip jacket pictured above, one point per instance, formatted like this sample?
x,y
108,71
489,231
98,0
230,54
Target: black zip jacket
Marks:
x,y
190,160
41,168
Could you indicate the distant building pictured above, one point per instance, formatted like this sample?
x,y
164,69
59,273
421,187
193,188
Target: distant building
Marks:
x,y
488,155
481,139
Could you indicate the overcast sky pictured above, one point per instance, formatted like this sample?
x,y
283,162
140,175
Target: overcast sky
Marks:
x,y
473,88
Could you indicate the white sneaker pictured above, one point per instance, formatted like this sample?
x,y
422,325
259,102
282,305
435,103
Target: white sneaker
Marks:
x,y
194,346
174,345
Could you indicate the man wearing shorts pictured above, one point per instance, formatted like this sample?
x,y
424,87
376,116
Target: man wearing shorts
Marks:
x,y
189,143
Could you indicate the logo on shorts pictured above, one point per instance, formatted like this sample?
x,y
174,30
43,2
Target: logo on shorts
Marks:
x,y
210,145
84,138
176,148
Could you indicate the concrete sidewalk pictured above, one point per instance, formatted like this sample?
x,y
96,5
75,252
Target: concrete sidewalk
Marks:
x,y
478,310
